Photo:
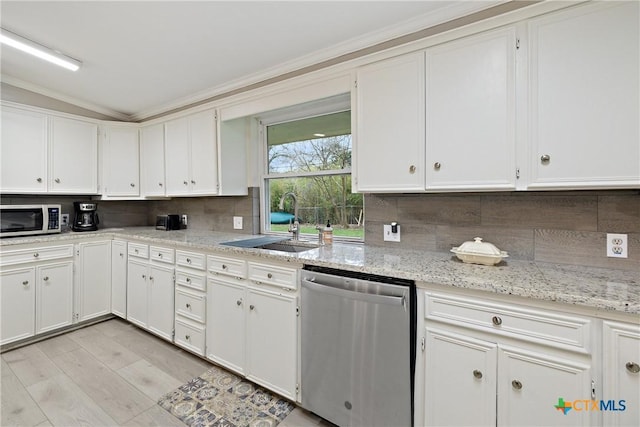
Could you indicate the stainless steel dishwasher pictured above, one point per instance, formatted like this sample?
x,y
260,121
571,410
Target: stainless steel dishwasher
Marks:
x,y
358,343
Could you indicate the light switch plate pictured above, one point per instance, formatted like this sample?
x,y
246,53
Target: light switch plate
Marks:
x,y
389,236
237,223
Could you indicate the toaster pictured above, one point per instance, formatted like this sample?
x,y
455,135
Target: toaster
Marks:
x,y
168,222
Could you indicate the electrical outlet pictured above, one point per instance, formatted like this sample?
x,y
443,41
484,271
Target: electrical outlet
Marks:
x,y
389,236
64,220
237,223
617,245
183,219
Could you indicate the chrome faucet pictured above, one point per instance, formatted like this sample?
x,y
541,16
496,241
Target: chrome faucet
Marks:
x,y
295,227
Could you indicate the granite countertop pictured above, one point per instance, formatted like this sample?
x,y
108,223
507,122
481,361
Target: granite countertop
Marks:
x,y
596,288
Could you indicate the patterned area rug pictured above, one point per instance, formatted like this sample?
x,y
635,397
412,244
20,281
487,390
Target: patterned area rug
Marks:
x,y
219,398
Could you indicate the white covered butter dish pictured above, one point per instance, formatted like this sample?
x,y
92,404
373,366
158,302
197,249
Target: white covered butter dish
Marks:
x,y
479,252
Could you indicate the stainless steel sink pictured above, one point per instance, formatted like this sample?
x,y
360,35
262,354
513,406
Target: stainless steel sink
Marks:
x,y
273,244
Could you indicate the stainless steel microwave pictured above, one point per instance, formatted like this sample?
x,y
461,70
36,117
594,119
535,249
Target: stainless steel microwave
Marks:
x,y
26,220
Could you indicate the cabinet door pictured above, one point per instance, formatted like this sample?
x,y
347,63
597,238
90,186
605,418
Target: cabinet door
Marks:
x,y
531,384
23,152
121,162
621,375
204,154
471,112
176,148
390,126
93,290
73,148
119,278
226,323
137,279
152,160
161,309
459,369
54,296
18,302
272,341
584,97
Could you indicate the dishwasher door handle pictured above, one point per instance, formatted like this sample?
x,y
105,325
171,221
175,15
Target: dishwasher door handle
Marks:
x,y
360,296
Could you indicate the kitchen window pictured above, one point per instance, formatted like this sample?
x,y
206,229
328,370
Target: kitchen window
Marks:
x,y
311,158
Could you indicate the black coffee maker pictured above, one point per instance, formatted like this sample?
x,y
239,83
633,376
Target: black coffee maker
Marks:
x,y
85,216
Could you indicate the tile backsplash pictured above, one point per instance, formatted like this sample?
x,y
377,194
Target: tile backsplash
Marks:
x,y
561,227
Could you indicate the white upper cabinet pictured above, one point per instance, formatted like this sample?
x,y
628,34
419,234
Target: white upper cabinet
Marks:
x,y
73,147
121,162
470,110
152,160
390,131
584,97
23,152
191,155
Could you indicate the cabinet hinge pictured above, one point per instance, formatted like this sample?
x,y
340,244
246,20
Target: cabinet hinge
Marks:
x,y
517,173
517,44
297,389
593,390
422,344
173,334
297,310
78,252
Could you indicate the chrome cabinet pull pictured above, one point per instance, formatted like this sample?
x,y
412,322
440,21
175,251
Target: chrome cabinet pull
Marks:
x,y
132,184
188,305
193,182
144,276
239,302
57,180
496,320
545,159
188,280
188,260
160,184
437,165
477,374
159,255
185,182
632,367
39,179
25,283
270,276
45,278
187,337
251,307
516,384
224,267
412,169
36,255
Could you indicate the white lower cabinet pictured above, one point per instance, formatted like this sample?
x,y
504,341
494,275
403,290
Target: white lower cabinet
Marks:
x,y
150,291
498,370
93,280
54,296
252,322
119,278
18,296
621,373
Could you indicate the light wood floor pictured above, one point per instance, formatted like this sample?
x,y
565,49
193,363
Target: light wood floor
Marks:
x,y
107,374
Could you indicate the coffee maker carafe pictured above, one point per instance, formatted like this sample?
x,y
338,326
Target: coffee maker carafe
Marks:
x,y
85,216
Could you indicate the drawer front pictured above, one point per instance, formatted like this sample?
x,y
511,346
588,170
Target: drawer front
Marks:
x,y
227,266
190,336
191,305
191,280
190,259
538,326
22,256
161,254
138,250
272,275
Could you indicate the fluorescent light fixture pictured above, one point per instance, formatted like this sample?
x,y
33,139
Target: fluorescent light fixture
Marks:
x,y
35,49
320,135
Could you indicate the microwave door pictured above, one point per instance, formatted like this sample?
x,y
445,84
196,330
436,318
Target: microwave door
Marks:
x,y
13,220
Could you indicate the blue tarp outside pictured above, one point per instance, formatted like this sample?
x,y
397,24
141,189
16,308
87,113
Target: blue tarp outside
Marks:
x,y
281,217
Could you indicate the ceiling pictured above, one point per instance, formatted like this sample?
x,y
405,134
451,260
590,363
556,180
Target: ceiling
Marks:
x,y
143,58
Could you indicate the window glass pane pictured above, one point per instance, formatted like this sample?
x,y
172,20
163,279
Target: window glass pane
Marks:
x,y
320,199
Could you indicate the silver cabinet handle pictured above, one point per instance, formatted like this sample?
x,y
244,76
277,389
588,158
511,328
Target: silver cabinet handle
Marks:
x,y
39,179
188,305
188,280
187,337
36,255
150,277
45,278
144,276
496,320
159,255
121,254
57,180
545,158
270,276
632,367
251,307
160,184
224,267
188,260
193,182
412,169
25,283
132,184
477,374
239,302
185,182
516,384
437,165
136,251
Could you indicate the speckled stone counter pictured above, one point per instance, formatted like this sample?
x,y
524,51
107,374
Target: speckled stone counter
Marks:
x,y
595,288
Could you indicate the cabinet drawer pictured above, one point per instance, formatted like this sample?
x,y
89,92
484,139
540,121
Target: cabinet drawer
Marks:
x,y
190,259
272,275
191,280
227,266
520,322
22,256
190,336
138,250
190,305
161,254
